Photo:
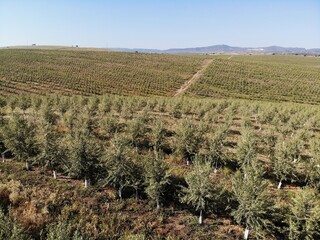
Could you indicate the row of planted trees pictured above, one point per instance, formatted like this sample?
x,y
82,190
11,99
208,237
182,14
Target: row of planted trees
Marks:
x,y
119,157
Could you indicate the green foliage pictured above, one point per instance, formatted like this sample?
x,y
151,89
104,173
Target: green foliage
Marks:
x,y
49,114
19,137
156,175
200,189
157,136
216,143
247,148
9,230
304,217
62,231
137,130
254,206
84,155
120,168
188,139
283,163
52,154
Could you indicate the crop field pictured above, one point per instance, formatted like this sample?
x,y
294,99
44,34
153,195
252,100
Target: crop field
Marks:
x,y
113,167
93,72
89,72
275,78
132,146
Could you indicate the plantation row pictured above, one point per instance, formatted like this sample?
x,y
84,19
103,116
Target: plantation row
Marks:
x,y
258,77
253,164
93,72
84,72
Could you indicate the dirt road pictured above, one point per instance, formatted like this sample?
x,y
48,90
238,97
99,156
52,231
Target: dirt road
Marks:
x,y
188,83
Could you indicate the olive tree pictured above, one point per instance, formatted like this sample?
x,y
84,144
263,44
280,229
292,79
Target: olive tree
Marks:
x,y
118,165
156,174
84,155
216,143
19,137
247,147
136,129
253,206
51,151
157,135
283,164
304,216
188,140
200,189
10,230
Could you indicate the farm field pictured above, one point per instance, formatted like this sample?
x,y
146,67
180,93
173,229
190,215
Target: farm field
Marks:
x,y
114,167
89,72
267,77
110,145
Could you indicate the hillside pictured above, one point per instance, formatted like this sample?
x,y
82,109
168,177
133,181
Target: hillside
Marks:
x,y
228,49
87,72
93,72
284,78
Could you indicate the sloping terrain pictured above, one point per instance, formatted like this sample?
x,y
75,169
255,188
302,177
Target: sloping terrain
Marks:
x,y
93,72
275,78
89,72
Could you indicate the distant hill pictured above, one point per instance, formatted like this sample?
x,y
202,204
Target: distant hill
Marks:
x,y
226,49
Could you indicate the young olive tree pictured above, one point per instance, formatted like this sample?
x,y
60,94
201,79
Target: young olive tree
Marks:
x,y
200,189
283,165
156,174
188,140
304,216
312,166
247,148
19,137
253,206
270,141
137,131
84,155
10,230
119,167
216,143
157,135
51,152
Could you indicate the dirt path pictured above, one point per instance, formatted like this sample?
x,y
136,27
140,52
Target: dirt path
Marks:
x,y
187,84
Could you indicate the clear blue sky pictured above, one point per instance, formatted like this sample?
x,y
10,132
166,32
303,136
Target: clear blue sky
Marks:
x,y
160,23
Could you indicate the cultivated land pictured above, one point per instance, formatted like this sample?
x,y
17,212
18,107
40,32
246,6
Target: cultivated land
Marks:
x,y
88,72
284,78
93,72
98,167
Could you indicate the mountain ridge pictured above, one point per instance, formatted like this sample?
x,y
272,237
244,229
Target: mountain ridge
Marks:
x,y
222,48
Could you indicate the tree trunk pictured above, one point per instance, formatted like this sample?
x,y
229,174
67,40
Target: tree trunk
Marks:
x,y
246,233
280,184
120,193
200,218
137,195
188,162
85,182
27,166
3,160
54,174
158,204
